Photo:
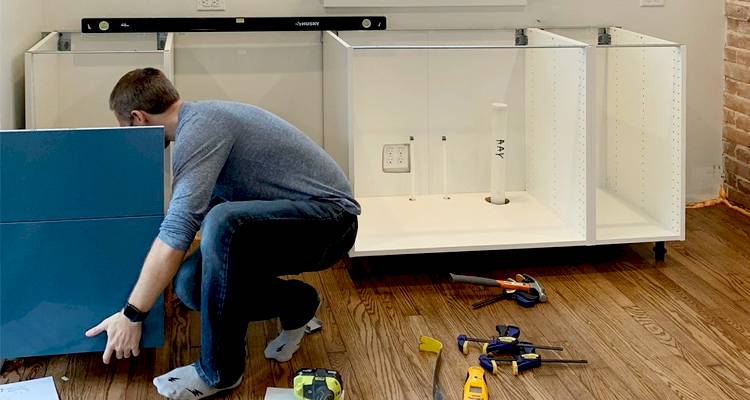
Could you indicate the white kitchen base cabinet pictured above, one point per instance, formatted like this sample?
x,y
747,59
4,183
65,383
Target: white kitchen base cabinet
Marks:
x,y
593,146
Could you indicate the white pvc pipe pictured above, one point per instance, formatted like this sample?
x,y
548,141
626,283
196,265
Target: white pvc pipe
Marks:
x,y
499,145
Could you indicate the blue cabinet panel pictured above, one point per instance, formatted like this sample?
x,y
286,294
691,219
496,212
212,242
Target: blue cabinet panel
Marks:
x,y
60,278
82,173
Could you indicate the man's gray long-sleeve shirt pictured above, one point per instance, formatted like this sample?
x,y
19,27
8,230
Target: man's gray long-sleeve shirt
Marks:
x,y
237,152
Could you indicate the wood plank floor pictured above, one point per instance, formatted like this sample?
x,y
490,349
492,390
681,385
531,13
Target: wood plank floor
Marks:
x,y
673,330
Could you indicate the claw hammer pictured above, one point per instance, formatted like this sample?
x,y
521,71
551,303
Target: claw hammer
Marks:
x,y
523,282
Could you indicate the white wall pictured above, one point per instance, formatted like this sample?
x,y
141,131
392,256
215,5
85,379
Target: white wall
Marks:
x,y
21,24
697,23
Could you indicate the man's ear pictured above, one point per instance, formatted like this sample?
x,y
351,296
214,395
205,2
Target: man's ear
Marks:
x,y
139,117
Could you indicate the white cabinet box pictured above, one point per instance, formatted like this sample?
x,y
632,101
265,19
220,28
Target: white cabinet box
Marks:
x,y
594,151
639,136
69,77
69,88
383,88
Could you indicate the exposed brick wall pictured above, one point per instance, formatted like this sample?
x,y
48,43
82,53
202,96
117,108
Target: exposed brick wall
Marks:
x,y
736,136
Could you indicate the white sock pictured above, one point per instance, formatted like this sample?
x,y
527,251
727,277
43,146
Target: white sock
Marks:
x,y
283,347
184,384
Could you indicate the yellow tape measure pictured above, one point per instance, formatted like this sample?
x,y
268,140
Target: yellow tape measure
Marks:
x,y
318,384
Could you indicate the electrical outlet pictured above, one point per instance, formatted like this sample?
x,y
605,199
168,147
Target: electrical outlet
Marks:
x,y
211,5
396,158
652,3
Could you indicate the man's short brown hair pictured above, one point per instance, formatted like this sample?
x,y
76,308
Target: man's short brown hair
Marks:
x,y
146,89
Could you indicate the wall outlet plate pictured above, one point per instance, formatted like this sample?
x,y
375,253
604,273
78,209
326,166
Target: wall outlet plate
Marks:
x,y
652,3
396,158
211,5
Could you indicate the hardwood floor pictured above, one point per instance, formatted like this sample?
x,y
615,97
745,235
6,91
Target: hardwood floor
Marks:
x,y
673,330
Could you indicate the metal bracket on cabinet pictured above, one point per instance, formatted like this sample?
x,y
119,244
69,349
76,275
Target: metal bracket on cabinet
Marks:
x,y
521,38
64,42
161,40
605,39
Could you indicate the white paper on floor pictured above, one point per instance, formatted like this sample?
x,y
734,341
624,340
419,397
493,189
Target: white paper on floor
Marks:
x,y
279,394
37,389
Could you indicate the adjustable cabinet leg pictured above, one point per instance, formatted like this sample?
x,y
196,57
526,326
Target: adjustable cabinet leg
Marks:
x,y
357,267
660,251
356,263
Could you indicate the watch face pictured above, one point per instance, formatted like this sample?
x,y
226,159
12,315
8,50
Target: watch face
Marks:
x,y
133,314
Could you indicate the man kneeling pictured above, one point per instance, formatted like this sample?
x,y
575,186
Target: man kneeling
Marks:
x,y
269,202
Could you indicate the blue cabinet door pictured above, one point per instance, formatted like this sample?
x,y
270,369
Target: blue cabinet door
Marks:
x,y
60,278
81,173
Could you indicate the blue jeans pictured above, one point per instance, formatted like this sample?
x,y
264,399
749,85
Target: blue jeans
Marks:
x,y
234,278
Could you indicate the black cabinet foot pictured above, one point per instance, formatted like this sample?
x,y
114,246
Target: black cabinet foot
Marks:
x,y
660,251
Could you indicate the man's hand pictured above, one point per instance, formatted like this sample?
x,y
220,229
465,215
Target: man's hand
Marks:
x,y
123,336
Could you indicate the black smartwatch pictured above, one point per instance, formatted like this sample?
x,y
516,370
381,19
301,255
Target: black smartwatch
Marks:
x,y
132,313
